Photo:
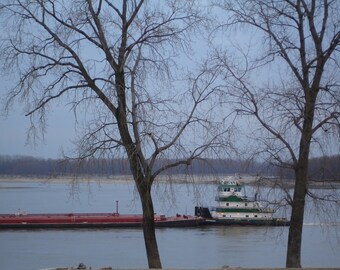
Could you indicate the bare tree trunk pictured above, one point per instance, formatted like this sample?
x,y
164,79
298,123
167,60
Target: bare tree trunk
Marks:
x,y
144,189
149,232
293,259
142,182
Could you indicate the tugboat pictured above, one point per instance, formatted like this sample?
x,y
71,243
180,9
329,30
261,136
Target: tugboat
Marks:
x,y
234,208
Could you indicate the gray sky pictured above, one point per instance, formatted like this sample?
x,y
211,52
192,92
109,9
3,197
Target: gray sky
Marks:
x,y
59,134
60,130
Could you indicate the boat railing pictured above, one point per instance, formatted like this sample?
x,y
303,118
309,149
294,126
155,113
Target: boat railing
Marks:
x,y
20,213
245,198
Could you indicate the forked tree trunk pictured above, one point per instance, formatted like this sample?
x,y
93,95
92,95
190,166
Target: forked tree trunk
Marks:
x,y
143,184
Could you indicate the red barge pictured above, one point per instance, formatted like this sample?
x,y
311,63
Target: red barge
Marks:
x,y
21,220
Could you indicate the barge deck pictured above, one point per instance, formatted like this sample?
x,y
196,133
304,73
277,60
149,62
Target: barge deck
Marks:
x,y
91,220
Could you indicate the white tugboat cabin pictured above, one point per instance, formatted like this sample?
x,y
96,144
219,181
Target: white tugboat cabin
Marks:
x,y
233,207
233,204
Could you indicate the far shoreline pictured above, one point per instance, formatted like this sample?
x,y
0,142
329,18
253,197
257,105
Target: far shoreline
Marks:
x,y
178,179
171,179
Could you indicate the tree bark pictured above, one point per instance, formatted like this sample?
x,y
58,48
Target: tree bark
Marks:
x,y
142,182
149,228
293,259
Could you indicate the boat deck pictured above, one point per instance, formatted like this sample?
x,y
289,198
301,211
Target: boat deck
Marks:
x,y
89,220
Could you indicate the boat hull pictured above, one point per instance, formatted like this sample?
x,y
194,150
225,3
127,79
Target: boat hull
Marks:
x,y
204,212
248,222
100,220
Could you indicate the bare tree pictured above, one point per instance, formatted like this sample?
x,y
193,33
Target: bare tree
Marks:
x,y
118,65
300,105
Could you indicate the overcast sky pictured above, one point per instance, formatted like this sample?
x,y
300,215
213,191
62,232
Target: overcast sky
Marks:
x,y
60,131
59,134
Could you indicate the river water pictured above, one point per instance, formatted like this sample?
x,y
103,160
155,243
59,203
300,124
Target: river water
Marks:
x,y
206,247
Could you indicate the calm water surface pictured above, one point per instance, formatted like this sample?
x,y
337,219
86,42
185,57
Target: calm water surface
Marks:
x,y
210,247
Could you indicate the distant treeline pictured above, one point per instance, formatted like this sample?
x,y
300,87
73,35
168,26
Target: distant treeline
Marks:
x,y
320,168
31,166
